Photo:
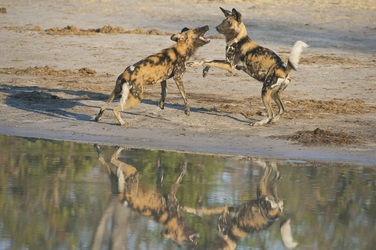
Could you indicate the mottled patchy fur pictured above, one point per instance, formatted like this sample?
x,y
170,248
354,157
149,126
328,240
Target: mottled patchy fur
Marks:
x,y
150,201
261,63
169,63
252,216
235,223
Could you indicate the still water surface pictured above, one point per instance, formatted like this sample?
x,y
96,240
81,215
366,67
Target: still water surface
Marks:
x,y
63,195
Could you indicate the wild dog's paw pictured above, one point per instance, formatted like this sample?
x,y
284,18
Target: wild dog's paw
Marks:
x,y
274,120
205,71
207,62
99,116
187,111
125,124
262,122
161,105
195,64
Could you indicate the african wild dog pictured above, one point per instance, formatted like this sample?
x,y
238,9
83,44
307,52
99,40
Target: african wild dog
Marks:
x,y
261,63
237,222
170,62
150,201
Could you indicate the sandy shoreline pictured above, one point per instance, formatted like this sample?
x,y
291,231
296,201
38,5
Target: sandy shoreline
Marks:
x,y
238,148
333,90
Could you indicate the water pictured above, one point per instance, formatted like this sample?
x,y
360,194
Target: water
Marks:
x,y
58,195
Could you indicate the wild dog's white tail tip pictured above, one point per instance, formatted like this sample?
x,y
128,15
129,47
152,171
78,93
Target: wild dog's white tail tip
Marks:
x,y
286,234
295,53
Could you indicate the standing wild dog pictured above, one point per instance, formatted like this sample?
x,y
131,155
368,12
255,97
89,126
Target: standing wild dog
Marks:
x,y
149,201
170,62
261,63
236,222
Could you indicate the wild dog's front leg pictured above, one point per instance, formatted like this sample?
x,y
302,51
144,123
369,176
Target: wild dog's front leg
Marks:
x,y
163,95
221,64
200,63
195,64
205,71
180,85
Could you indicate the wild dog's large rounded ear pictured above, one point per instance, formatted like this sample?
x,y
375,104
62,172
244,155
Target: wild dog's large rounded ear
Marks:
x,y
237,15
176,37
179,36
226,12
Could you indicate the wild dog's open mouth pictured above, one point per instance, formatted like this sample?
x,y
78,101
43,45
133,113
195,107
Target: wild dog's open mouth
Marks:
x,y
201,32
192,236
202,38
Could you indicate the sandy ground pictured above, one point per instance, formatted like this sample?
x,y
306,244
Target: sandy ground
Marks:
x,y
59,61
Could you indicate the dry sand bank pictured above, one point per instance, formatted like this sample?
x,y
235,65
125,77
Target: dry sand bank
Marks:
x,y
60,60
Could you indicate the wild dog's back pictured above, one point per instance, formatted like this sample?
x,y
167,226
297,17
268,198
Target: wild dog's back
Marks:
x,y
257,61
155,68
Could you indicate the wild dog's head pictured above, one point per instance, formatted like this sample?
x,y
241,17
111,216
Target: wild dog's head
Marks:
x,y
194,37
232,26
181,234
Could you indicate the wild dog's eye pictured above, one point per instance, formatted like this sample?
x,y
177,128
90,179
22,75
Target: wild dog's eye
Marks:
x,y
228,22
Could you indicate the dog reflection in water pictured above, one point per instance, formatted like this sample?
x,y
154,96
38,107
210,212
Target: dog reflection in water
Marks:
x,y
235,223
150,202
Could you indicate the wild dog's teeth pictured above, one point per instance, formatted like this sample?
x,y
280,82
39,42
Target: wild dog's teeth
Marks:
x,y
204,39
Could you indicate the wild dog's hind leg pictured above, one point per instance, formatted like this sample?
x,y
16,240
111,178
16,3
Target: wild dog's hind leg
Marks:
x,y
128,100
276,95
163,94
266,99
117,90
126,169
281,108
180,85
262,187
183,170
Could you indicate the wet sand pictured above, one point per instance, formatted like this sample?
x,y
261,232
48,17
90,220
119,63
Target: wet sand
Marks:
x,y
60,60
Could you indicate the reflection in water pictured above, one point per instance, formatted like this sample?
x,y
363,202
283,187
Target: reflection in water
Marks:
x,y
252,216
234,223
58,195
149,202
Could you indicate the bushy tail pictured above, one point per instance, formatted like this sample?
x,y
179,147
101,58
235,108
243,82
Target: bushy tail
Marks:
x,y
286,234
123,82
295,55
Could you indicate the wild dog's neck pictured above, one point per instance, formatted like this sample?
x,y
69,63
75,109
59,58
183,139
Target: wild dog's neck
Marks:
x,y
239,35
185,51
190,51
238,43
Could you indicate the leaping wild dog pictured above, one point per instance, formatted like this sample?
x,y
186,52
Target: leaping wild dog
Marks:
x,y
235,223
169,63
261,63
150,201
